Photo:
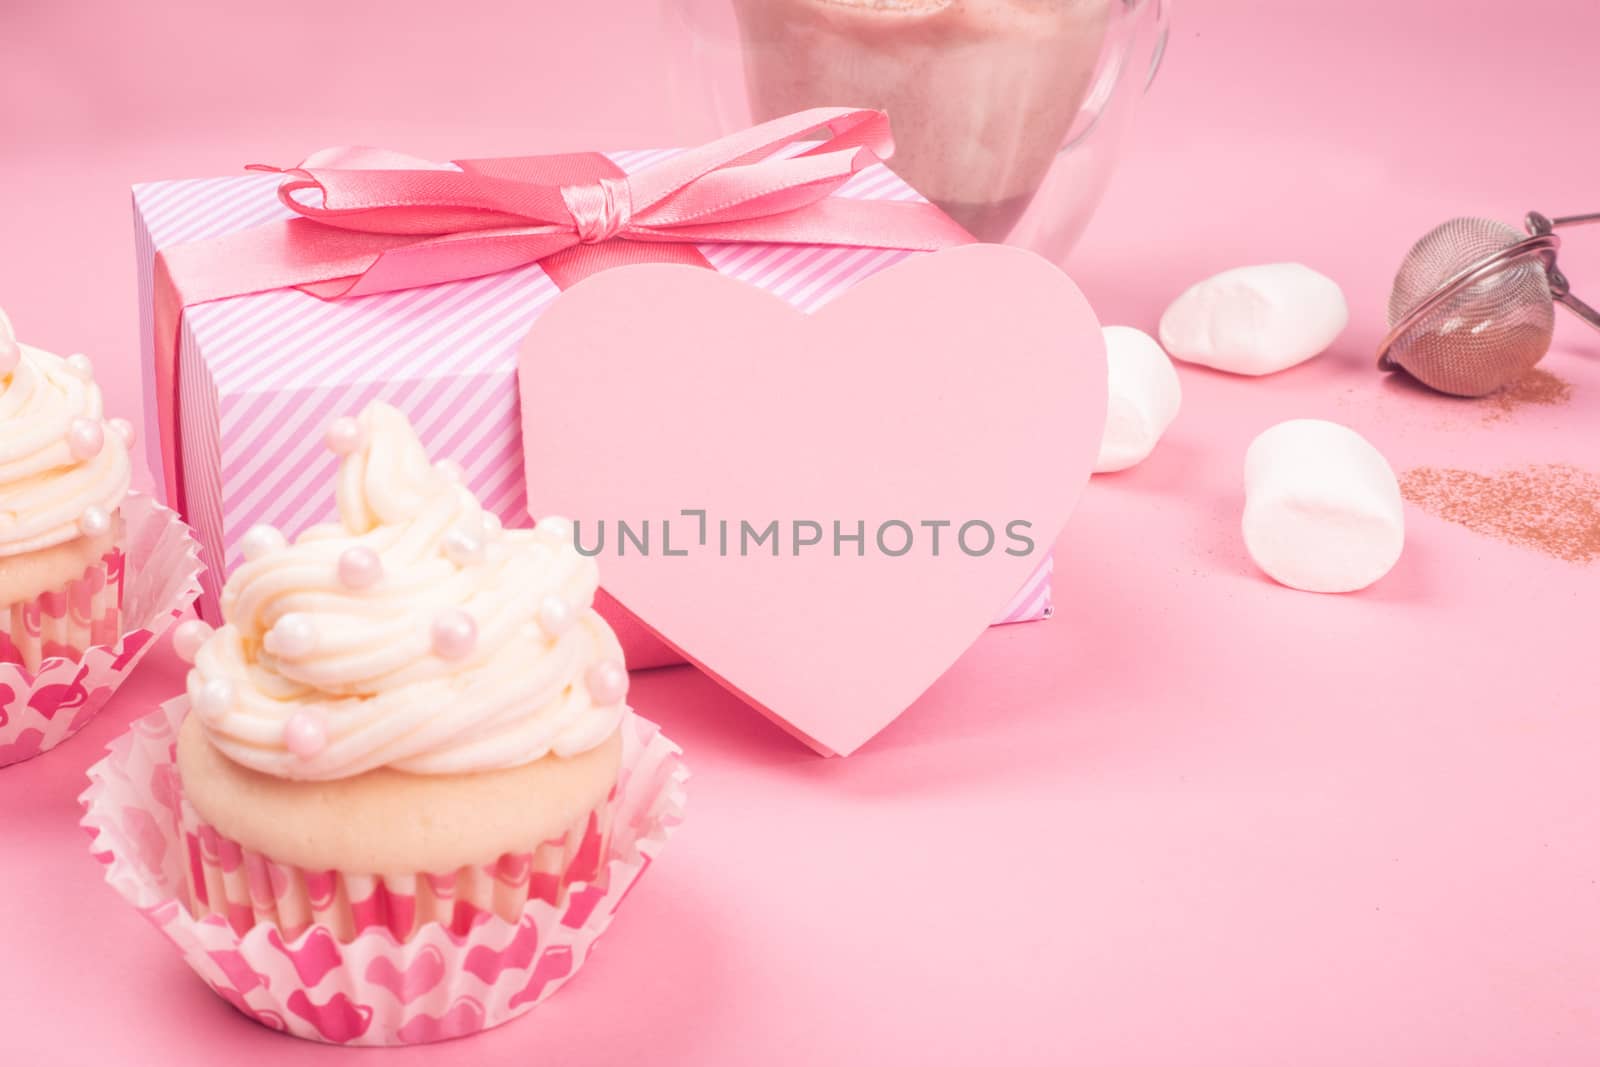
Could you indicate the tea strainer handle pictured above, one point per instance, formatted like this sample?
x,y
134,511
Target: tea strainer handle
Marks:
x,y
1560,289
1538,223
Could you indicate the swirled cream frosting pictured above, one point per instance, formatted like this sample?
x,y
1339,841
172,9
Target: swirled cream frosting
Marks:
x,y
64,468
413,633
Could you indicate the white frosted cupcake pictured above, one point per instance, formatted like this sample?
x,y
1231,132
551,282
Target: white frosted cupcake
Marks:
x,y
409,716
64,474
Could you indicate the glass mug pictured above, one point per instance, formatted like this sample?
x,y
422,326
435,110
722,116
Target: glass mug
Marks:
x,y
1006,113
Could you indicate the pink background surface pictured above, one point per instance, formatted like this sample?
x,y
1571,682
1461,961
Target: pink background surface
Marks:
x,y
1197,818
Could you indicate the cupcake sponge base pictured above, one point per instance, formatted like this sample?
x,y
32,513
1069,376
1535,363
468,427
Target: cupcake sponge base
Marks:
x,y
388,822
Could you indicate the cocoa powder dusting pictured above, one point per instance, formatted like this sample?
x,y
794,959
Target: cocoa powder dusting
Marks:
x,y
1538,388
1553,508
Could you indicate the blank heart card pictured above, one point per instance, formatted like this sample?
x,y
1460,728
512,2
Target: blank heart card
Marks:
x,y
821,511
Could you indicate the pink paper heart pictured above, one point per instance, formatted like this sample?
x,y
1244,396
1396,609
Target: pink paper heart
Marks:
x,y
967,385
339,1021
488,964
419,977
316,956
464,1017
241,977
554,966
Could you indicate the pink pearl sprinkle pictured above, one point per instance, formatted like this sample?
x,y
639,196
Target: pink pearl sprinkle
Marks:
x,y
259,540
305,735
359,568
10,355
343,436
85,437
554,528
188,637
79,364
291,637
124,429
555,615
94,522
462,548
455,635
215,699
607,682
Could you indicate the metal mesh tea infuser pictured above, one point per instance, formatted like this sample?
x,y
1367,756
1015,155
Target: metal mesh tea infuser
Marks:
x,y
1472,305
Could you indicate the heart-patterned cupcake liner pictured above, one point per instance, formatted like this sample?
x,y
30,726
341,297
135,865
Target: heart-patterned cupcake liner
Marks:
x,y
65,623
161,577
372,987
246,887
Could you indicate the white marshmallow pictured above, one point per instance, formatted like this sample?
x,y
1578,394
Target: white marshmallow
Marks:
x,y
1144,398
1322,508
1255,320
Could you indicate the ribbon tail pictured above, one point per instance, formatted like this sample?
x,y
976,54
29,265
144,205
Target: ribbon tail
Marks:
x,y
908,225
854,131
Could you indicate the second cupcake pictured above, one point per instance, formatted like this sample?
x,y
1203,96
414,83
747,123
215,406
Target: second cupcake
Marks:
x,y
64,473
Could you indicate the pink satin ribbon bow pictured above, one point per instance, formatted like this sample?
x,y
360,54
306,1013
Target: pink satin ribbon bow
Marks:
x,y
372,221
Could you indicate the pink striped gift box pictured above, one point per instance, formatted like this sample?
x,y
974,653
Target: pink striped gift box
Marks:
x,y
260,376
